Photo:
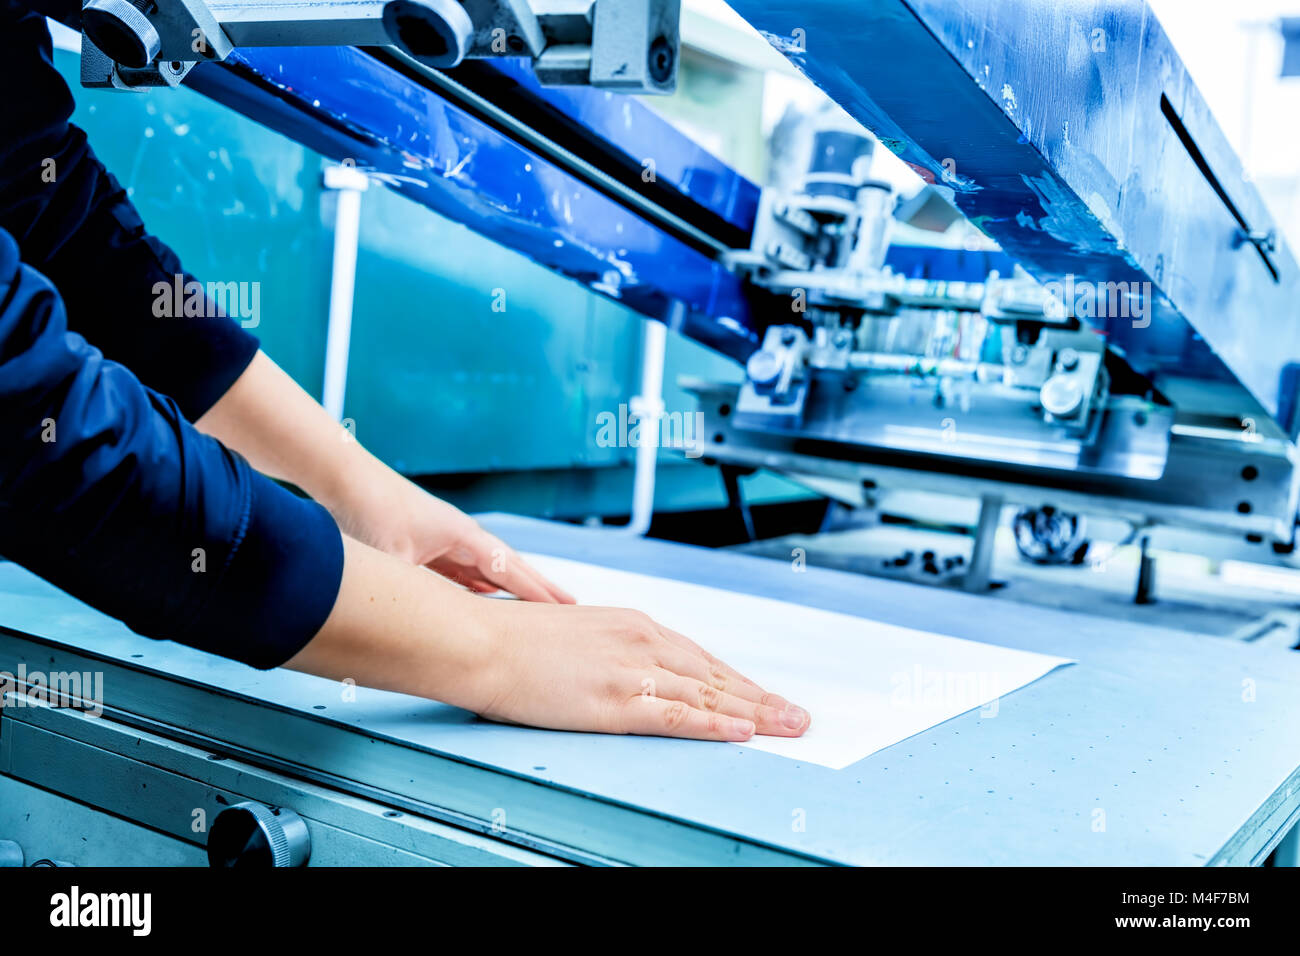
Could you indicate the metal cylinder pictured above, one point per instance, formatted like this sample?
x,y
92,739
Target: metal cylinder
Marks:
x,y
121,30
840,163
256,836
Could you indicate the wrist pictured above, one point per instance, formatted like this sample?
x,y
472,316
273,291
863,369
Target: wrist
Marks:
x,y
478,631
366,498
402,628
345,476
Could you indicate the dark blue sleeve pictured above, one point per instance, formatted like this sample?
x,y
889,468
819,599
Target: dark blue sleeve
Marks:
x,y
74,224
109,493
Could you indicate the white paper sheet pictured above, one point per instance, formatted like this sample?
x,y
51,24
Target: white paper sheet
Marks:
x,y
867,685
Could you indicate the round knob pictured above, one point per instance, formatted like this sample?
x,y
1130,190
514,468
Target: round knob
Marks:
x,y
1061,396
256,836
763,368
122,31
438,33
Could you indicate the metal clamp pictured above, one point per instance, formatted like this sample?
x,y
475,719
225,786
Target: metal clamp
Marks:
x,y
626,45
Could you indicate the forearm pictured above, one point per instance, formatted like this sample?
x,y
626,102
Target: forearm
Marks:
x,y
108,493
283,432
402,628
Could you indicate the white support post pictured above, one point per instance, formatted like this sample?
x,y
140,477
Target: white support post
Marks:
x,y
349,182
649,409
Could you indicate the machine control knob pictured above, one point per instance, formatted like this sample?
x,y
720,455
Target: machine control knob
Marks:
x,y
763,369
257,836
1062,397
1068,359
122,31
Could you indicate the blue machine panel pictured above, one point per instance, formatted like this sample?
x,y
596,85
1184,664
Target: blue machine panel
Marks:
x,y
643,136
348,106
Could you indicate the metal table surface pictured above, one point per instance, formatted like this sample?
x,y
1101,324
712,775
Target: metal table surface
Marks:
x,y
1157,748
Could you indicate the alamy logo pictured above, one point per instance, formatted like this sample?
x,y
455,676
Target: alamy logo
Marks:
x,y
131,910
960,691
78,690
1099,300
195,300
632,429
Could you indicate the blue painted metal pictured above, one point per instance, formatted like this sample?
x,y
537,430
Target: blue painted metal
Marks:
x,y
1182,771
346,105
1064,130
424,296
1070,132
952,265
642,135
1291,55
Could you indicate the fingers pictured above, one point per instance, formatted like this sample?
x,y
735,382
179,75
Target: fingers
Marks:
x,y
514,579
517,576
656,717
681,640
784,721
557,593
709,670
493,573
469,581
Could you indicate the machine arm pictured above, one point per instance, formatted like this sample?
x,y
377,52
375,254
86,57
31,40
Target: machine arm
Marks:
x,y
625,45
1074,136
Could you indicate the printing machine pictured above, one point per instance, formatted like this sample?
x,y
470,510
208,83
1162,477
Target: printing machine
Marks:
x,y
1136,361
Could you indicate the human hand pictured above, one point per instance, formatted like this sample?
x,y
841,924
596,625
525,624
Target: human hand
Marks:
x,y
414,525
282,431
615,671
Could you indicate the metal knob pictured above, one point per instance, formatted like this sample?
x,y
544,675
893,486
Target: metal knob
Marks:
x,y
764,369
1061,396
121,30
257,836
438,33
1068,359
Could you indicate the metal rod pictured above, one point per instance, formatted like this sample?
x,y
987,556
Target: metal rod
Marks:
x,y
515,128
980,575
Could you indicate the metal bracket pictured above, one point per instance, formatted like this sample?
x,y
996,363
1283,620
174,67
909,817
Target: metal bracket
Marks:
x,y
625,45
100,71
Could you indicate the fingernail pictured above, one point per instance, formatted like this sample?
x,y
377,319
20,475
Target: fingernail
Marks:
x,y
794,717
744,729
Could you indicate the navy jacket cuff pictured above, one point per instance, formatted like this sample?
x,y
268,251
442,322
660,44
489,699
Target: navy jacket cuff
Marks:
x,y
280,582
